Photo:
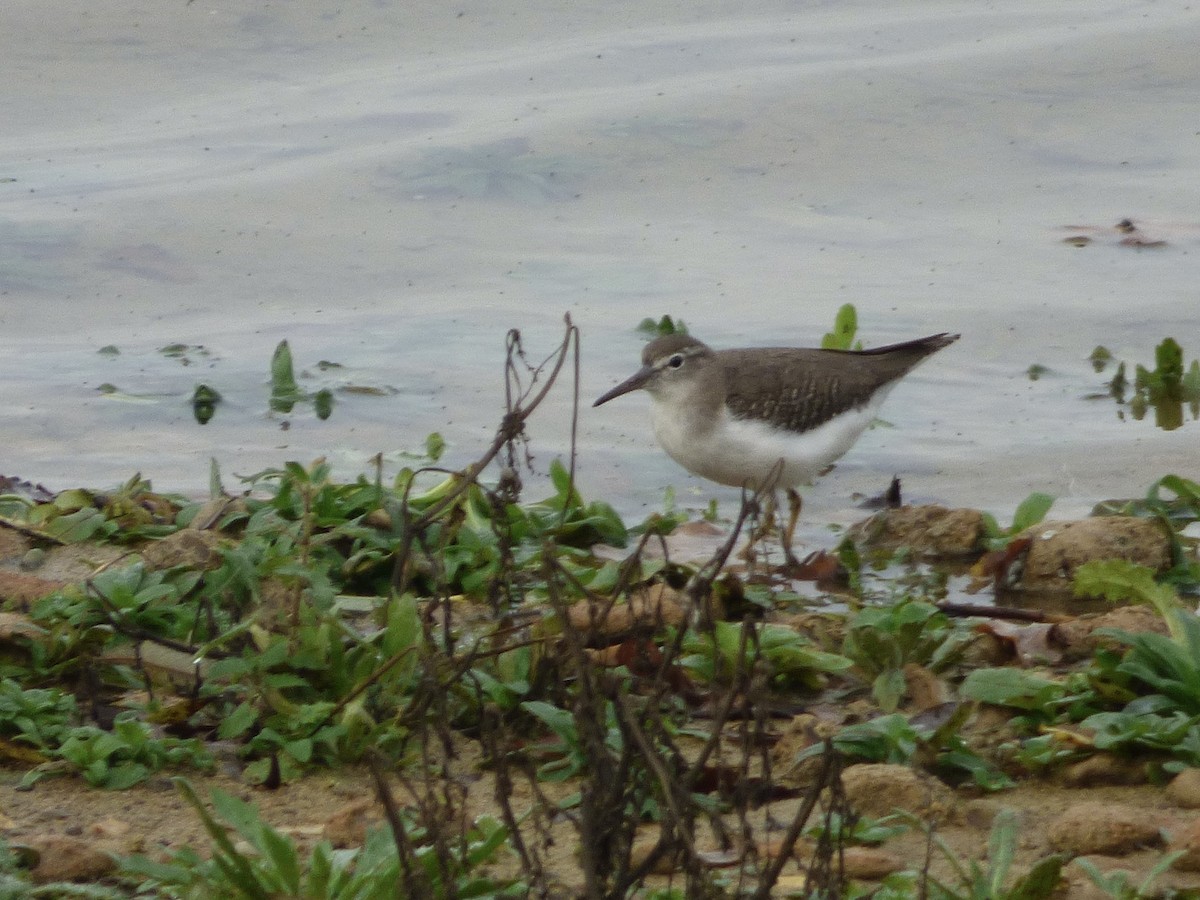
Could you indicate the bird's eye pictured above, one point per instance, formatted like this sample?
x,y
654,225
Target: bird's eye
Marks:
x,y
675,361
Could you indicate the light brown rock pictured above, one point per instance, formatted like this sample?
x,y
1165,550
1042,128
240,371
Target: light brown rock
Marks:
x,y
871,863
644,843
1187,841
1106,768
22,590
878,789
928,530
1078,638
1184,789
347,827
801,733
67,859
1057,549
924,689
1095,827
651,607
194,549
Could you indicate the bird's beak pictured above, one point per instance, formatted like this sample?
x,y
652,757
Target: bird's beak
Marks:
x,y
632,383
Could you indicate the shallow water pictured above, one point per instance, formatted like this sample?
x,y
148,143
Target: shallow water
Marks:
x,y
392,186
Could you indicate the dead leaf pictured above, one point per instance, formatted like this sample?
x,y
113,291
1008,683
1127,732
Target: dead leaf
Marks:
x,y
1031,643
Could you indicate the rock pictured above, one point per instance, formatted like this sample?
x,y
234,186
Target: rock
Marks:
x,y
928,530
1106,768
923,689
644,842
870,863
190,548
67,859
878,789
1187,841
1184,789
347,827
1095,827
21,590
16,625
981,812
1057,549
650,607
1078,639
803,731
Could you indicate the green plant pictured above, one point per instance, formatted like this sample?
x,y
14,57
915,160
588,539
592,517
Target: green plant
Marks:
x,y
1028,513
1042,699
1116,884
860,831
1168,665
40,718
43,719
275,867
286,393
881,640
663,326
895,739
322,694
128,754
977,880
1165,388
790,658
845,327
569,756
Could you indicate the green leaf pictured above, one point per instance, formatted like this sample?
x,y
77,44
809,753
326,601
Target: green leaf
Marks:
x,y
300,749
1118,579
237,723
237,867
664,326
1042,881
845,326
888,689
560,721
282,853
435,446
1002,847
1031,511
1010,687
283,376
81,525
323,403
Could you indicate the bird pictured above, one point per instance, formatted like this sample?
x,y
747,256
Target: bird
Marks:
x,y
766,418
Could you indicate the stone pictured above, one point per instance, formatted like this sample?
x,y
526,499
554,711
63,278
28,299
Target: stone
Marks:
x,y
871,863
347,827
878,789
927,530
1187,841
1057,549
1184,789
1106,768
651,607
1094,827
1078,638
67,859
190,548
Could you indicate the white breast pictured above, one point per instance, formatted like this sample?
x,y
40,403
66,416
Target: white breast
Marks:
x,y
742,451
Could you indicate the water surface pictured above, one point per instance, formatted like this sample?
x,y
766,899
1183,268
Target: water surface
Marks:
x,y
392,186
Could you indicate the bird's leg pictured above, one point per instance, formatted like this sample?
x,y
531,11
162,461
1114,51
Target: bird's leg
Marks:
x,y
763,517
795,504
766,521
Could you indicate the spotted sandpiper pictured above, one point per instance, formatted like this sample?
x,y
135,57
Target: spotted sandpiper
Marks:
x,y
766,418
